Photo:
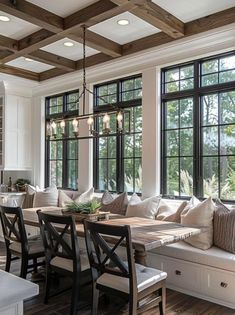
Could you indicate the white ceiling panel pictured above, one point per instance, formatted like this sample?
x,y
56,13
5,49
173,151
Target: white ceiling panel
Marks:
x,y
124,34
61,7
34,66
16,28
189,10
73,53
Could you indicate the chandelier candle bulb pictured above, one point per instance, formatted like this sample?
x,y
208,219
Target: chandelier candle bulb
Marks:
x,y
54,128
120,120
62,126
75,126
106,121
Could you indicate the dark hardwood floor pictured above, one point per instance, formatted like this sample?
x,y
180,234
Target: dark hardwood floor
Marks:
x,y
177,303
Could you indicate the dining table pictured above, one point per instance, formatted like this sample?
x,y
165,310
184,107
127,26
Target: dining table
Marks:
x,y
146,234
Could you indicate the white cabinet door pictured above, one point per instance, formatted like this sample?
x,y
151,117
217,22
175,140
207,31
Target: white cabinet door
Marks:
x,y
17,133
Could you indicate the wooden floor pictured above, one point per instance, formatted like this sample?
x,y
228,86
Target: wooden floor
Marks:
x,y
177,303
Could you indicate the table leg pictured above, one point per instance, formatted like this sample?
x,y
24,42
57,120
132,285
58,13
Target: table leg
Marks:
x,y
140,257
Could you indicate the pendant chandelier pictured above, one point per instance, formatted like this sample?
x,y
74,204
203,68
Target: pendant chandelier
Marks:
x,y
52,125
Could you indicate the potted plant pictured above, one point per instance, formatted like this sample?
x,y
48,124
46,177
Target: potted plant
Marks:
x,y
86,210
21,184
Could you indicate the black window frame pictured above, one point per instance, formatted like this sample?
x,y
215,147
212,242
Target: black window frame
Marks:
x,y
122,105
196,93
68,114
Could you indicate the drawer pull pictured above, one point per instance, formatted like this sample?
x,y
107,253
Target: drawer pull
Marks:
x,y
178,272
223,284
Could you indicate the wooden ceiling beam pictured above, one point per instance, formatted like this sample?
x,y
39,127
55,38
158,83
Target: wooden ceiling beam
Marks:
x,y
19,72
98,42
94,14
32,43
33,14
53,60
156,16
8,43
90,61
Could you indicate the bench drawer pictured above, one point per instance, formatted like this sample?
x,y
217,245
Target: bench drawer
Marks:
x,y
221,285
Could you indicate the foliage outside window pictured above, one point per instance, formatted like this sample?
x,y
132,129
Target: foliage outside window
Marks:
x,y
198,128
118,157
62,153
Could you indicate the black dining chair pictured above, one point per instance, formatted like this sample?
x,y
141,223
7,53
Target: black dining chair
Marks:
x,y
63,255
17,243
143,287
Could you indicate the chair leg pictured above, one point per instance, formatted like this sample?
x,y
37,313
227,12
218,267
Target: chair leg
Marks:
x,y
95,300
132,306
75,294
8,261
47,284
24,267
162,304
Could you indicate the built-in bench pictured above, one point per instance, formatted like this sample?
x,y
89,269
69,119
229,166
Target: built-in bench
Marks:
x,y
208,274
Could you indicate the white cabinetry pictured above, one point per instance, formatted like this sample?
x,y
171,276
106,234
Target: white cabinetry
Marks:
x,y
209,283
17,133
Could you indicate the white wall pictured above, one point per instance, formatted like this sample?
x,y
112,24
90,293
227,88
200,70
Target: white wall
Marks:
x,y
149,64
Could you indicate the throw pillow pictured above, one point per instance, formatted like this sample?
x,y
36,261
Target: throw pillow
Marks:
x,y
170,211
86,196
46,198
201,216
116,205
29,196
224,227
63,199
146,209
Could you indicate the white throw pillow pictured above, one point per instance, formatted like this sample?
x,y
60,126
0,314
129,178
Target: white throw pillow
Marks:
x,y
63,199
86,196
145,209
46,198
201,216
170,210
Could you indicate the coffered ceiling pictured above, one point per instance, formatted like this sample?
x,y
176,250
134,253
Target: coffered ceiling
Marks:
x,y
33,41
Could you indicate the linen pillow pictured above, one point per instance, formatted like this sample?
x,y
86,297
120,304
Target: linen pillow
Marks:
x,y
170,212
46,198
201,216
86,196
29,196
63,199
224,227
145,209
116,205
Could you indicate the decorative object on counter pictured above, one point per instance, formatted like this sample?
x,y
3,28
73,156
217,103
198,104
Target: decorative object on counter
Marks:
x,y
21,184
88,210
9,185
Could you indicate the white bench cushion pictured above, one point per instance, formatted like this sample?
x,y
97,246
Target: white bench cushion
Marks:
x,y
214,256
145,278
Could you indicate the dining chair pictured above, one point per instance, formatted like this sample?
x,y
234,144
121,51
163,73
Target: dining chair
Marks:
x,y
143,287
63,255
17,243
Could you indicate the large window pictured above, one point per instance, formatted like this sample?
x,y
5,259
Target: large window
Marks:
x,y
62,151
198,128
117,163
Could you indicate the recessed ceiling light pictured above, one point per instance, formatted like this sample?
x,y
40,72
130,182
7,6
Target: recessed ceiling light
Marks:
x,y
28,59
4,18
123,22
68,44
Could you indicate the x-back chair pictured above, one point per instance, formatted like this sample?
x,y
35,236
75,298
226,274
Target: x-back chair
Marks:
x,y
111,274
17,243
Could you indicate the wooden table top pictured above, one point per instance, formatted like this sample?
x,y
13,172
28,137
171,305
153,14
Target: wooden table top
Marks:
x,y
146,234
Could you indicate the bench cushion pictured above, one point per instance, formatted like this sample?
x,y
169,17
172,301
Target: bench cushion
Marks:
x,y
214,256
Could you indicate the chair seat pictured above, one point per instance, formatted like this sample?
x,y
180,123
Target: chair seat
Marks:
x,y
67,264
35,245
146,277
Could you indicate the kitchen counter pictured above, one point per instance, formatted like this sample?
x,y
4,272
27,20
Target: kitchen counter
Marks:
x,y
14,290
